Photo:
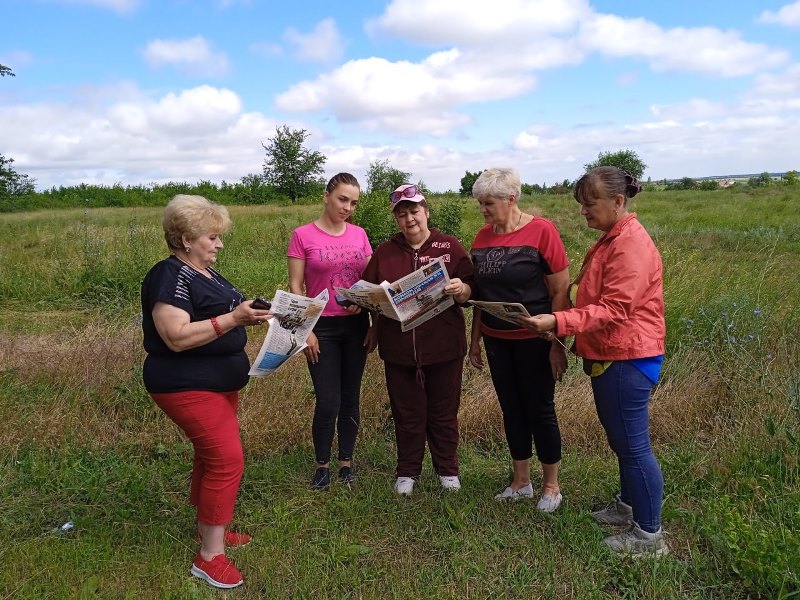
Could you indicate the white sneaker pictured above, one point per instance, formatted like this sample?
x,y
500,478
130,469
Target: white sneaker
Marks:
x,y
510,494
450,482
549,502
404,486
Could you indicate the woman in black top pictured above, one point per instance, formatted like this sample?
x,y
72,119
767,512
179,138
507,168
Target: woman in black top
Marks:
x,y
193,321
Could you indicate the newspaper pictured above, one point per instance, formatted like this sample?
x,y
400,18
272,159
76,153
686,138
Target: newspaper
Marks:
x,y
412,300
295,317
513,312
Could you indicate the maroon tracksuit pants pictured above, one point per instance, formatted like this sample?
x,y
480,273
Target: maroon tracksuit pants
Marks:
x,y
427,411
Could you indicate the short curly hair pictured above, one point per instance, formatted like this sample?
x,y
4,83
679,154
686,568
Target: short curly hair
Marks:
x,y
192,216
497,182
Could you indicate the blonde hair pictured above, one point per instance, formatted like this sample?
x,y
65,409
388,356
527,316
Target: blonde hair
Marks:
x,y
192,216
497,182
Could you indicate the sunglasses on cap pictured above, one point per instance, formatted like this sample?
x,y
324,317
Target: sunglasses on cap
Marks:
x,y
409,192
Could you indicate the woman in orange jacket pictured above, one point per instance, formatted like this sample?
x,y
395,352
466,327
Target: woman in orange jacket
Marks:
x,y
618,323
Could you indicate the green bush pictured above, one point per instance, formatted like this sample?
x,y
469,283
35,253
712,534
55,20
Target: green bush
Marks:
x,y
374,216
708,185
447,214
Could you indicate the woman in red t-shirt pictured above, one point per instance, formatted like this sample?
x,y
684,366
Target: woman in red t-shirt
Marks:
x,y
520,258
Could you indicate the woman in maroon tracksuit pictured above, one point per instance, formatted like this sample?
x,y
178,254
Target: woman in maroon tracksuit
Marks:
x,y
423,366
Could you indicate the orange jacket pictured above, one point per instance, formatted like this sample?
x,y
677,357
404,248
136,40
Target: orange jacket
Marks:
x,y
619,309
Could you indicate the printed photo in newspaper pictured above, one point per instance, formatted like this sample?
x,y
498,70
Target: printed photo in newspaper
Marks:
x,y
295,317
412,300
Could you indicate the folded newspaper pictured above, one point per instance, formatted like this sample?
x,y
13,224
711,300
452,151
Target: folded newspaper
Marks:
x,y
412,300
512,312
295,317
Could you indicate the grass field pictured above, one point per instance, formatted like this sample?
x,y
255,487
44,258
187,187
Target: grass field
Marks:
x,y
82,441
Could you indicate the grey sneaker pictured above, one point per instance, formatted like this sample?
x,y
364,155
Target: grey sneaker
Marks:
x,y
549,502
637,542
511,494
617,514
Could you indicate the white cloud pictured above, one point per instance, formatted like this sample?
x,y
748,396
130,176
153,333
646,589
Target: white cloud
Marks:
x,y
106,135
698,49
778,85
322,44
477,22
192,55
201,110
402,96
199,133
696,108
494,52
787,16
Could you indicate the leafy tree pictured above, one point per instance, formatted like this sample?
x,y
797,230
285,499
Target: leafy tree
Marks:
x,y
292,168
4,70
528,189
467,181
762,180
708,185
685,183
791,177
382,177
13,184
627,160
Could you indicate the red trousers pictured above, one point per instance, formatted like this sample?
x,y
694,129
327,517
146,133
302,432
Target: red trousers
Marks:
x,y
209,420
425,412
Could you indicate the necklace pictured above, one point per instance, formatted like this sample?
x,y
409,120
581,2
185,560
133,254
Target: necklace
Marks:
x,y
204,272
494,227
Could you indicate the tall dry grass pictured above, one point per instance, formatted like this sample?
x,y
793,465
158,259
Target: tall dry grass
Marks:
x,y
83,386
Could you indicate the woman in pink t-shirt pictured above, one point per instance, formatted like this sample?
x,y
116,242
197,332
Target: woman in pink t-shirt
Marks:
x,y
328,253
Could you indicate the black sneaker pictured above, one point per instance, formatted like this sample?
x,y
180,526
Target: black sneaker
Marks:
x,y
321,479
346,475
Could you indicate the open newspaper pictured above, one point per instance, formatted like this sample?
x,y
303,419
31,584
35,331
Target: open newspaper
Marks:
x,y
412,300
512,312
295,317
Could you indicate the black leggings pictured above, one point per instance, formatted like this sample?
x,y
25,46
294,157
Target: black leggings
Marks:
x,y
525,388
337,383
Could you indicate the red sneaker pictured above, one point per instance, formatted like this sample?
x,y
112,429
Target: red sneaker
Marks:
x,y
233,539
219,571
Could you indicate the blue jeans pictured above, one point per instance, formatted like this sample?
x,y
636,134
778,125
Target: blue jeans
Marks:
x,y
337,383
621,396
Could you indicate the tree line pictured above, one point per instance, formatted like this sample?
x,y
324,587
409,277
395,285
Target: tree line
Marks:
x,y
293,172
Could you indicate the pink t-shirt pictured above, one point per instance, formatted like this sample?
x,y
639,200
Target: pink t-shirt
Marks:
x,y
331,260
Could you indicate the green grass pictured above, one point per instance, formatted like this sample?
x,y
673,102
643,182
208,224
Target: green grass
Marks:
x,y
84,443
129,510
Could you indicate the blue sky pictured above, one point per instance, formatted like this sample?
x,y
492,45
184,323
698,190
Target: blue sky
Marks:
x,y
141,91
